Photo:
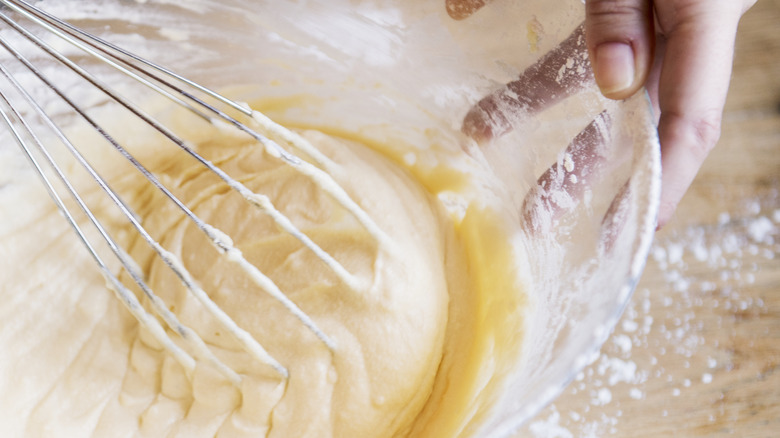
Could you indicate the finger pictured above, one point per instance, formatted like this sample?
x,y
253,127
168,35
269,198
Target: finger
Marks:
x,y
651,84
561,187
692,89
560,73
461,9
615,219
620,38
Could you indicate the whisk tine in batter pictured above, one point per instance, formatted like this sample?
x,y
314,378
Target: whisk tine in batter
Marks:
x,y
18,107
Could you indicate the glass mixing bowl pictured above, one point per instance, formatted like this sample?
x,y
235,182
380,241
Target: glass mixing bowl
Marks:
x,y
582,172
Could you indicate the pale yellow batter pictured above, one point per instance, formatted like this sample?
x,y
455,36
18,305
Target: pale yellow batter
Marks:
x,y
421,344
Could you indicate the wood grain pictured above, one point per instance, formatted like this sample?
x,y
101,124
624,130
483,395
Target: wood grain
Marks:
x,y
703,328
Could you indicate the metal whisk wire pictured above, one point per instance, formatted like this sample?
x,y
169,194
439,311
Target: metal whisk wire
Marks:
x,y
161,81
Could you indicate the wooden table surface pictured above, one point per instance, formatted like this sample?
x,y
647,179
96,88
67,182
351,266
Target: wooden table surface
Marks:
x,y
698,351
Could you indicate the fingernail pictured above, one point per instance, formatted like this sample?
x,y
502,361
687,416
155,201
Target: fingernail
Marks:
x,y
614,67
485,121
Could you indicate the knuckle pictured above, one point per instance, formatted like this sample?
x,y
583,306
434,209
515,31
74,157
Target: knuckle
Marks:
x,y
706,130
702,130
607,10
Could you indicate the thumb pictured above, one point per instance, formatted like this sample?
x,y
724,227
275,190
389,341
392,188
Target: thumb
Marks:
x,y
620,37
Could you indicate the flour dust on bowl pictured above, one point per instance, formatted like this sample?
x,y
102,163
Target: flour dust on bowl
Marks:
x,y
458,219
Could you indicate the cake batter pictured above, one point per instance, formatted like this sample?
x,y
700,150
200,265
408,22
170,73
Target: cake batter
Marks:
x,y
419,348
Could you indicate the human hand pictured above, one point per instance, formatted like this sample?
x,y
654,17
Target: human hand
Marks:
x,y
680,50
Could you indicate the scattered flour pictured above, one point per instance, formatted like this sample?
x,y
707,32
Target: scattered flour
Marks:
x,y
659,345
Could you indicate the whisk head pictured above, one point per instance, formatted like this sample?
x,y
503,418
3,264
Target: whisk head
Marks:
x,y
38,121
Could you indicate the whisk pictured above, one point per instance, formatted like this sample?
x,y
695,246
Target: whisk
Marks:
x,y
31,125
